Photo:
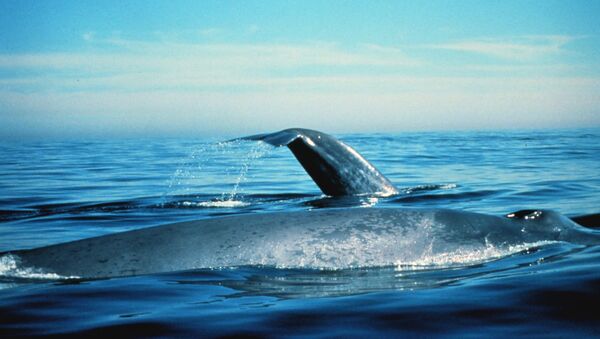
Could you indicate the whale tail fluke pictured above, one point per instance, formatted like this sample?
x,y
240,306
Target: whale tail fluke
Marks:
x,y
335,167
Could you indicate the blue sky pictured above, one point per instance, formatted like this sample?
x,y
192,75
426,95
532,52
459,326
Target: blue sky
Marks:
x,y
222,68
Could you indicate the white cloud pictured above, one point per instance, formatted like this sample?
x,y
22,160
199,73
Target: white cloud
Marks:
x,y
526,48
210,32
161,55
166,86
88,36
140,65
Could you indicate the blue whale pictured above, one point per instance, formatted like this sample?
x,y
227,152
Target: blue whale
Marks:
x,y
326,238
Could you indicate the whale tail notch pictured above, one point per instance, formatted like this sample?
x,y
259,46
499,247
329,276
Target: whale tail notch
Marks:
x,y
335,167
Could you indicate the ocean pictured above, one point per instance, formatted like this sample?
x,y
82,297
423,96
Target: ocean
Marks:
x,y
59,191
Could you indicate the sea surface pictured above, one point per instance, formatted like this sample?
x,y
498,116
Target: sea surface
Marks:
x,y
58,191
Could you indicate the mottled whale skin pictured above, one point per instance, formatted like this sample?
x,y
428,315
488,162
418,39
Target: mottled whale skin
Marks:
x,y
327,238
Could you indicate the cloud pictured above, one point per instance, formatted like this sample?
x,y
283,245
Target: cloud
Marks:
x,y
139,65
164,86
88,36
525,48
210,32
309,67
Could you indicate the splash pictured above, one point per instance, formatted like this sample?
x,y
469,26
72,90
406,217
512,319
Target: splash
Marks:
x,y
355,255
337,240
10,266
220,203
466,256
256,152
206,170
432,187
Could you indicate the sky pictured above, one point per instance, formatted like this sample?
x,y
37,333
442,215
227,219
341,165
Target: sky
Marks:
x,y
225,68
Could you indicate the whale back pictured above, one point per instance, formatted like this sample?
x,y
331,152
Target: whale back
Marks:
x,y
317,239
335,167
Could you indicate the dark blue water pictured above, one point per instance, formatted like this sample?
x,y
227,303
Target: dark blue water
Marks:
x,y
54,192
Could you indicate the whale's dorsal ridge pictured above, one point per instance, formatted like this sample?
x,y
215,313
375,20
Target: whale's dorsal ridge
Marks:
x,y
335,167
